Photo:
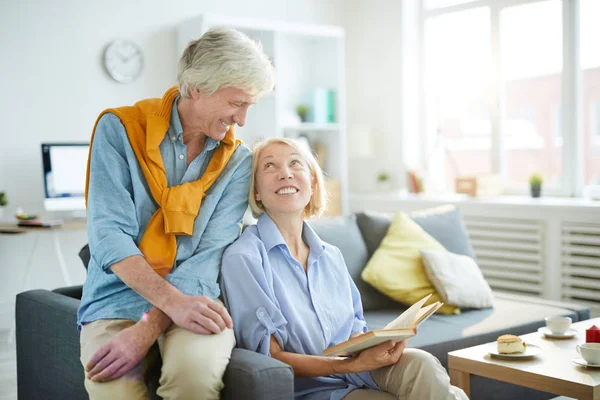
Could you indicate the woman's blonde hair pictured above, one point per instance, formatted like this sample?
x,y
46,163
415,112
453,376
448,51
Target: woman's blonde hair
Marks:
x,y
318,201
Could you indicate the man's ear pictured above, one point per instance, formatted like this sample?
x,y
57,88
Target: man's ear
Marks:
x,y
194,93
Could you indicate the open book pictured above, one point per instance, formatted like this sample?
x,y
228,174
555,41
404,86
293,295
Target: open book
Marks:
x,y
399,329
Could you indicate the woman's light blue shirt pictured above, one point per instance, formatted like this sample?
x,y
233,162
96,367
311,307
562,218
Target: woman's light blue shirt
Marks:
x,y
120,206
268,293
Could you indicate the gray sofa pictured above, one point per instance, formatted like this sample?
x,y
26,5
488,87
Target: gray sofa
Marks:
x,y
48,341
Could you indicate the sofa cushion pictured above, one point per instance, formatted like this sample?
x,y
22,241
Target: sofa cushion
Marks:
x,y
443,223
343,233
396,268
457,278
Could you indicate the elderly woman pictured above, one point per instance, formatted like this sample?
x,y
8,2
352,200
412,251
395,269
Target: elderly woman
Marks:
x,y
291,297
167,188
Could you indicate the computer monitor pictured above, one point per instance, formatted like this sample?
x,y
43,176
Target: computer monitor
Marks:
x,y
65,166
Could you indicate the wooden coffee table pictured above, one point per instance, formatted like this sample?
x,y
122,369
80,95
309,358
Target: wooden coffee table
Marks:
x,y
552,371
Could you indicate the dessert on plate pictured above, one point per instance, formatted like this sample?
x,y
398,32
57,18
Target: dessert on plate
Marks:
x,y
511,344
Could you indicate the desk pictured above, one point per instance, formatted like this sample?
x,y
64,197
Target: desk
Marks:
x,y
39,258
552,371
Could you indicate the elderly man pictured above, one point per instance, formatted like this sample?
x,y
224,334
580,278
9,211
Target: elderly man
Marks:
x,y
166,190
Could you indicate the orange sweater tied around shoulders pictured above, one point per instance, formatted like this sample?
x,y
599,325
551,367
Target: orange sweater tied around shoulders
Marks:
x,y
146,124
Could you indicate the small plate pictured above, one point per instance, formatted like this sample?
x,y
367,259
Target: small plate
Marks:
x,y
26,217
571,333
581,361
531,350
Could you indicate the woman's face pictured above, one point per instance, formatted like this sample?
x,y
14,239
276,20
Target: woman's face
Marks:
x,y
283,180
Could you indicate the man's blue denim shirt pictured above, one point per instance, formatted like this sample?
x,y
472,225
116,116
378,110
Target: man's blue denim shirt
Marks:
x,y
120,205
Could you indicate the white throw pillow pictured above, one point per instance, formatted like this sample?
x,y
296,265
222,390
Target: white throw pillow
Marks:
x,y
457,279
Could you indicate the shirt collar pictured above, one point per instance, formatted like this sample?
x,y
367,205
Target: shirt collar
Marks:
x,y
175,121
271,237
314,242
210,143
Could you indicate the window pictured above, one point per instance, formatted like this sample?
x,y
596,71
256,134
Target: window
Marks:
x,y
558,138
596,125
496,74
431,4
457,80
590,81
592,146
531,82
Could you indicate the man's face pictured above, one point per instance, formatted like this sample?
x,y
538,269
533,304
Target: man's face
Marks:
x,y
215,113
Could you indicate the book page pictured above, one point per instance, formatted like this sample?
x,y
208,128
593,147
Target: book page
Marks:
x,y
408,318
425,312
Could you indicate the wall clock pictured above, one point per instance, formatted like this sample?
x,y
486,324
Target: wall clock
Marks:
x,y
123,60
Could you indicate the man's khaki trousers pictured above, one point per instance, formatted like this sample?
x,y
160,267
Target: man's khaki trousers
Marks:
x,y
193,365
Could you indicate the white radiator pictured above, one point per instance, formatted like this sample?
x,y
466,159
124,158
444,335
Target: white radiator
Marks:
x,y
580,255
510,252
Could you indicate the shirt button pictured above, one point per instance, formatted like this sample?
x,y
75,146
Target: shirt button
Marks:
x,y
297,267
261,314
181,156
173,138
326,328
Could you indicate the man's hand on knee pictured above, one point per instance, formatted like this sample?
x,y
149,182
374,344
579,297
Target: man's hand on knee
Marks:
x,y
120,354
199,314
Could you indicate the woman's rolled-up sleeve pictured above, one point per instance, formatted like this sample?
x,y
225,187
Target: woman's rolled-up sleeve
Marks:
x,y
247,291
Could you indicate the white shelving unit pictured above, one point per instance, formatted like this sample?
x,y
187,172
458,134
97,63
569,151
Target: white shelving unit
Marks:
x,y
306,57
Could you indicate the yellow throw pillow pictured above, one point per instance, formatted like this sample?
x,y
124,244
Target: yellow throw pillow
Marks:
x,y
396,268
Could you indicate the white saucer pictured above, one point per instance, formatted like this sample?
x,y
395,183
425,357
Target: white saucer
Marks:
x,y
531,350
581,361
571,333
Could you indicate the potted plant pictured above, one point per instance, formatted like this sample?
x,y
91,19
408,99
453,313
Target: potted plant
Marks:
x,y
383,181
3,202
535,183
302,111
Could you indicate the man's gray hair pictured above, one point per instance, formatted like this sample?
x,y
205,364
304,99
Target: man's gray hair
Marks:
x,y
225,57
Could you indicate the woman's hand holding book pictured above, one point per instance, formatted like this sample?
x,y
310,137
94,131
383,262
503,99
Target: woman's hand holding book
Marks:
x,y
382,355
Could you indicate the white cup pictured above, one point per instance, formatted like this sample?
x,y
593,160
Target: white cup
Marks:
x,y
590,352
558,325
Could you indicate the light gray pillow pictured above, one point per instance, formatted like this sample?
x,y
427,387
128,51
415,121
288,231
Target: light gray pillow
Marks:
x,y
457,278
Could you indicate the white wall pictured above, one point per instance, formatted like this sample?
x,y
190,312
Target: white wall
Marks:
x,y
51,78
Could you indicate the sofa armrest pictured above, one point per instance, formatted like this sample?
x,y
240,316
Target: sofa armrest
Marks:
x,y
48,365
70,291
251,375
